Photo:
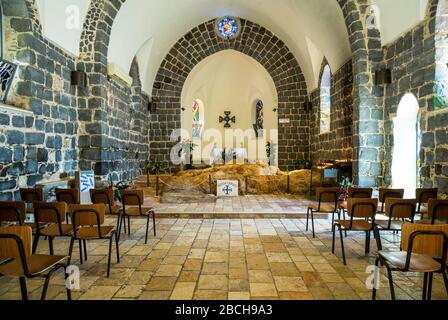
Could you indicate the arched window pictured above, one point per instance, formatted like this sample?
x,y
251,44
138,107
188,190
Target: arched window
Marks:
x,y
197,113
325,100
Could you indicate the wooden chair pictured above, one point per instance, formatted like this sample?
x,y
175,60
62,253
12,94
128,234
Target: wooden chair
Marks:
x,y
364,210
106,196
31,195
423,195
328,199
52,214
360,193
88,225
14,212
385,193
135,198
397,210
69,196
423,249
15,242
437,211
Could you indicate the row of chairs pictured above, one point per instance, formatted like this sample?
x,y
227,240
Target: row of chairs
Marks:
x,y
64,218
423,244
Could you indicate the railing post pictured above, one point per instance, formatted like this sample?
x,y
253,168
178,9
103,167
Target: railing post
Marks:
x,y
210,183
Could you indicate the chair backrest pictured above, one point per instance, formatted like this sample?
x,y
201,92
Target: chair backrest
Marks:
x,y
424,194
400,208
30,195
437,209
390,193
362,207
13,211
132,197
87,215
15,242
431,244
359,193
105,196
69,196
49,212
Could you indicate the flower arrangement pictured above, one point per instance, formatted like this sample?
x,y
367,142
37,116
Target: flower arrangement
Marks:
x,y
344,185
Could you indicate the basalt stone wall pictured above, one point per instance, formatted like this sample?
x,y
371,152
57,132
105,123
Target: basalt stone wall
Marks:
x,y
338,143
412,61
254,41
56,127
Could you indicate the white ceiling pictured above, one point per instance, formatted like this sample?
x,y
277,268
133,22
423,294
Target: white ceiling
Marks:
x,y
148,28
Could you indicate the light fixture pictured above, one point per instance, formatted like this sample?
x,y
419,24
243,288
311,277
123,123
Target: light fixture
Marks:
x,y
383,76
275,110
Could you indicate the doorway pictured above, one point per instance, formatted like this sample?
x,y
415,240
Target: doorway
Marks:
x,y
406,142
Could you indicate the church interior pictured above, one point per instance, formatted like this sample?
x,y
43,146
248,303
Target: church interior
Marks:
x,y
231,150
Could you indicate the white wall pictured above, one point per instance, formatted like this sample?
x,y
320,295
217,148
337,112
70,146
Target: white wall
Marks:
x,y
230,81
398,16
62,21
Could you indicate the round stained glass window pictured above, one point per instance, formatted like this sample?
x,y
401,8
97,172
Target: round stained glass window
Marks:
x,y
228,27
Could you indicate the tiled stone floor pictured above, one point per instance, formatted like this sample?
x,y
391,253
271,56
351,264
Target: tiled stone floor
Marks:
x,y
227,259
251,204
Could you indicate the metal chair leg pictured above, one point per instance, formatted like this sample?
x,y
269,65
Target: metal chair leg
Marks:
x,y
69,291
367,242
129,225
70,250
85,249
391,282
36,242
154,222
80,251
307,218
445,279
116,243
377,235
334,238
50,245
312,223
430,276
23,289
425,286
147,229
342,244
376,274
109,256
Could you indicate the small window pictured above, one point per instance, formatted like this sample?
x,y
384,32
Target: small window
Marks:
x,y
197,113
325,100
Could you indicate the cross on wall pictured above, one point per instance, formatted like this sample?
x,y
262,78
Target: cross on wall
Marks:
x,y
227,119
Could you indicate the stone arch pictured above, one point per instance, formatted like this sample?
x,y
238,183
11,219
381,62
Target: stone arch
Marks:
x,y
254,41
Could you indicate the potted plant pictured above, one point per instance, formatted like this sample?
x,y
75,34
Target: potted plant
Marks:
x,y
156,167
303,163
187,148
344,185
122,185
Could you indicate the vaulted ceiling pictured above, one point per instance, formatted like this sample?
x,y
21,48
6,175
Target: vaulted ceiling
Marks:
x,y
148,28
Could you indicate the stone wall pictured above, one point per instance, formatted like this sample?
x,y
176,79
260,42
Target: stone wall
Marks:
x,y
411,59
256,42
57,127
338,143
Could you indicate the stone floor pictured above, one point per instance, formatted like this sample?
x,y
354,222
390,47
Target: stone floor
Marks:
x,y
282,205
227,259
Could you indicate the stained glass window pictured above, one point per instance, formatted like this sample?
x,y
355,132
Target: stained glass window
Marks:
x,y
259,119
197,118
228,27
325,100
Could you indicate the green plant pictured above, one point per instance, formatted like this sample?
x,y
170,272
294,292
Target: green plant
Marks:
x,y
303,163
156,167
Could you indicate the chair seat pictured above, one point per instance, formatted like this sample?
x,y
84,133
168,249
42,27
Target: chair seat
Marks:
x,y
53,230
134,211
395,225
419,262
37,264
324,207
90,233
358,225
429,221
